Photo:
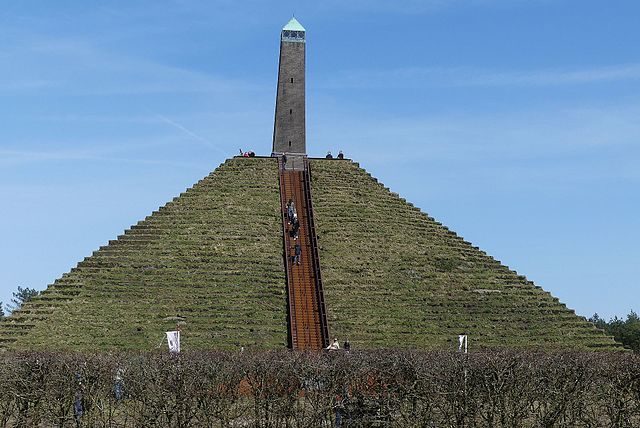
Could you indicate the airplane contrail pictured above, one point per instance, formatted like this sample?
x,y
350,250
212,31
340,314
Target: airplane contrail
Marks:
x,y
191,134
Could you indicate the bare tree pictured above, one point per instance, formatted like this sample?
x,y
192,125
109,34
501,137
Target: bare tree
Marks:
x,y
290,389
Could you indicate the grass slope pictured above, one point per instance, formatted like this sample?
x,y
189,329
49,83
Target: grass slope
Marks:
x,y
394,277
213,256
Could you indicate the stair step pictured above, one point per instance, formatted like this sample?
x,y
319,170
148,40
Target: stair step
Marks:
x,y
302,278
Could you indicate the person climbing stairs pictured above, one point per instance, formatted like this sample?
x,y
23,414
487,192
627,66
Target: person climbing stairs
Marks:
x,y
308,327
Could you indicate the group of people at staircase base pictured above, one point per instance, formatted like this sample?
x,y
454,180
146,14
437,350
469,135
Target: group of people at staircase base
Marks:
x,y
330,156
294,231
335,345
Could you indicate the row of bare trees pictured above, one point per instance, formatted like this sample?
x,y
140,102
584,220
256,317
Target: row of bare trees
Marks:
x,y
288,389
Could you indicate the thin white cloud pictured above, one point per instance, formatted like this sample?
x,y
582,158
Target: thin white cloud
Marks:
x,y
494,139
467,76
79,67
13,157
21,85
20,156
96,118
410,7
558,77
126,150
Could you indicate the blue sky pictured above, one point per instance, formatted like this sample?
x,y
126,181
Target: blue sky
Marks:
x,y
513,122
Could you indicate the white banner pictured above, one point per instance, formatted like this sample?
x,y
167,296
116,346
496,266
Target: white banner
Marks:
x,y
462,339
173,339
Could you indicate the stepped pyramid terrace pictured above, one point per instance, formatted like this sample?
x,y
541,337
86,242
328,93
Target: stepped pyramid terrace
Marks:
x,y
212,259
224,261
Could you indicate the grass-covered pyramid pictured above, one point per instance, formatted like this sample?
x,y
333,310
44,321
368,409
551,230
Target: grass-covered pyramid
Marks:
x,y
211,260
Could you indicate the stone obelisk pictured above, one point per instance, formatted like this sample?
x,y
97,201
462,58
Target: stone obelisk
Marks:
x,y
289,134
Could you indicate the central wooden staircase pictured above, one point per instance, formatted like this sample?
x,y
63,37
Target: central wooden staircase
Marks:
x,y
308,329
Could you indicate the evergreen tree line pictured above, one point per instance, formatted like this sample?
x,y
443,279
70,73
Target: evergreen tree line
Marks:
x,y
625,331
20,297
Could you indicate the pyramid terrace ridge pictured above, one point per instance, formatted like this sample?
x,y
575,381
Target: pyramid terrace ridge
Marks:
x,y
212,257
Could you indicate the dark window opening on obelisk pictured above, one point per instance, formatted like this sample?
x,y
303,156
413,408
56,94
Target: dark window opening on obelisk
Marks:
x,y
290,127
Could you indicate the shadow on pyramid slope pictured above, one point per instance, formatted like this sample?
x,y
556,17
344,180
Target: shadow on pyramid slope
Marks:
x,y
394,277
212,260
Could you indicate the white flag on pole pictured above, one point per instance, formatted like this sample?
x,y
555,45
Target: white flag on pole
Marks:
x,y
462,340
173,339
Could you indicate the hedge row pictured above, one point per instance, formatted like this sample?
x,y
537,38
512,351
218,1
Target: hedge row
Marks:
x,y
288,389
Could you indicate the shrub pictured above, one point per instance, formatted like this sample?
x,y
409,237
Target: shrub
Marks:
x,y
284,388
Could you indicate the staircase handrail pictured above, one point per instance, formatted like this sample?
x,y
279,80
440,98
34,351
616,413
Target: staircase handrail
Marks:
x,y
316,257
287,258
